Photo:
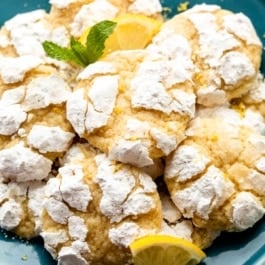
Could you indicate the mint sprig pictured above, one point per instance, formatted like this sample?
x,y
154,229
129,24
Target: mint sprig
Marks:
x,y
79,54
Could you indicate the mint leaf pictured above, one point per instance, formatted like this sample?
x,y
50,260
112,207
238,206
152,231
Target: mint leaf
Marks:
x,y
96,38
55,51
80,51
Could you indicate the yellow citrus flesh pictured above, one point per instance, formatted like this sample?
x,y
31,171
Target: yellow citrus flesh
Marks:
x,y
165,250
133,31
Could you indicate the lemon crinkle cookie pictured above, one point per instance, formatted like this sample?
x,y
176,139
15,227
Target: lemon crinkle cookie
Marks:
x,y
145,102
92,191
225,49
34,132
215,176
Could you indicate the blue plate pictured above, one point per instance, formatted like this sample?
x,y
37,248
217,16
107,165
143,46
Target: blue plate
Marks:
x,y
245,248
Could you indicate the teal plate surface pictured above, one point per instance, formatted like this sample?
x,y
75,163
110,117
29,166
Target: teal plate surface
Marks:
x,y
245,248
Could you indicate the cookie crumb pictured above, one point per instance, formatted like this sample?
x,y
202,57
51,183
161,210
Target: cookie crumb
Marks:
x,y
24,257
183,6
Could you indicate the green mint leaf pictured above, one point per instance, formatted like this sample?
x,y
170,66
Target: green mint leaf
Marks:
x,y
55,51
96,38
80,51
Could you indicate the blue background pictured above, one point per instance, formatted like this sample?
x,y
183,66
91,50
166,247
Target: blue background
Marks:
x,y
245,248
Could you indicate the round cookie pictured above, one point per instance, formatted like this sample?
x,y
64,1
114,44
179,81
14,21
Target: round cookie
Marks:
x,y
225,49
216,176
96,207
135,105
33,127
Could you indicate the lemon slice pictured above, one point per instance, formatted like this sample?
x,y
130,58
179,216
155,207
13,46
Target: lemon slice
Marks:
x,y
165,250
133,31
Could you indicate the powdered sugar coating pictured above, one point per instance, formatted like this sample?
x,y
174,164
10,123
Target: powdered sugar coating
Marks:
x,y
133,152
102,95
49,139
13,70
93,69
148,8
76,111
115,189
213,42
61,3
177,167
11,117
29,30
212,189
21,164
124,234
73,254
247,210
240,25
91,14
74,191
234,66
53,239
36,195
43,91
77,228
10,214
57,210
149,92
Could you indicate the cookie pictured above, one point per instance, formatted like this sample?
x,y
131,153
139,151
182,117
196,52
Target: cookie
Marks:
x,y
225,49
135,105
96,207
215,177
34,130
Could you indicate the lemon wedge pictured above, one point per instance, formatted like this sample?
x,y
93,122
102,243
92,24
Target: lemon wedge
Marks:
x,y
165,250
133,31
